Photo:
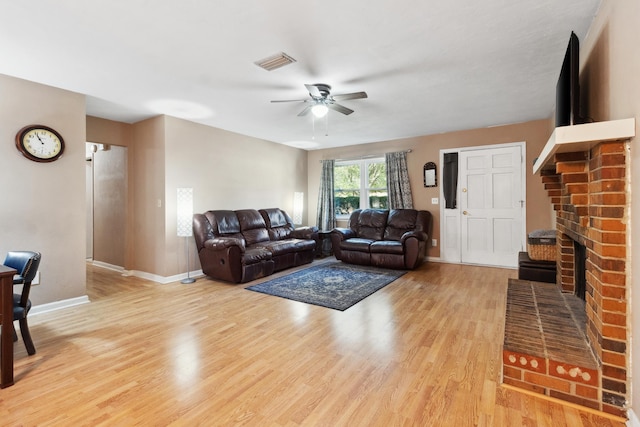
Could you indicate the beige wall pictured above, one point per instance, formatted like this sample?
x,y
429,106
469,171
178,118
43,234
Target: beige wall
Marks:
x,y
148,137
43,206
610,84
427,149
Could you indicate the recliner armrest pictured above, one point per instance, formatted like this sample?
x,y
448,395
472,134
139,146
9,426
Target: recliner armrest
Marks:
x,y
343,233
420,235
309,233
221,243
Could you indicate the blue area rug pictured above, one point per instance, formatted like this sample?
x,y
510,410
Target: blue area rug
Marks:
x,y
335,285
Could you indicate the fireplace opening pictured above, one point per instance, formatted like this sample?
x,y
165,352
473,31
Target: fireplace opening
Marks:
x,y
580,270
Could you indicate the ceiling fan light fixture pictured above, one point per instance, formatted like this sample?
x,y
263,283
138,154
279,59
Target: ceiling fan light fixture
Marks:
x,y
319,110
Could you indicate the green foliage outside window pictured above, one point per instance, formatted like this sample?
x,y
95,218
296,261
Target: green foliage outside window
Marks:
x,y
377,176
346,177
345,204
379,200
348,191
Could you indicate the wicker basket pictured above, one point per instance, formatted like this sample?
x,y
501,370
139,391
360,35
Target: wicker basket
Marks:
x,y
542,245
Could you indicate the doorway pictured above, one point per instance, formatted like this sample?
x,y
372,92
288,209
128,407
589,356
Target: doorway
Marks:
x,y
106,204
487,225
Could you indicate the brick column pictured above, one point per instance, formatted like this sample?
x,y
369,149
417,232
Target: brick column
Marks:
x,y
606,270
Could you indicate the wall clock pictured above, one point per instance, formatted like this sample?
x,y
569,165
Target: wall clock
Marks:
x,y
40,143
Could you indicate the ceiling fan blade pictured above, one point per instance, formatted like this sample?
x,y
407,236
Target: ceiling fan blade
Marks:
x,y
305,111
344,96
340,108
290,100
314,91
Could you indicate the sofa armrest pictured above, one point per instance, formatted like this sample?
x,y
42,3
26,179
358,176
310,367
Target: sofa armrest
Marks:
x,y
221,258
309,233
339,235
420,235
342,234
222,243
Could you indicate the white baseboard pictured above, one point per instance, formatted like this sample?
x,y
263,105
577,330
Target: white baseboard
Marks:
x,y
108,266
440,260
57,305
164,280
148,276
633,420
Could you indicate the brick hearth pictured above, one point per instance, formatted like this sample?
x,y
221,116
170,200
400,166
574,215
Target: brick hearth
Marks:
x,y
545,348
588,192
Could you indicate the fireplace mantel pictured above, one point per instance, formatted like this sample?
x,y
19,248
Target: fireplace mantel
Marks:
x,y
583,137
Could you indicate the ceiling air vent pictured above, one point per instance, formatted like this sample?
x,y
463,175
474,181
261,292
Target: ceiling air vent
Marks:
x,y
276,61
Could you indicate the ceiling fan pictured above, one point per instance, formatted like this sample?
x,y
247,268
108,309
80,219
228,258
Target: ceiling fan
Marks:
x,y
322,100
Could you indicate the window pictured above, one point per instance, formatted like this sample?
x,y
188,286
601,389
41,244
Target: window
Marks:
x,y
360,184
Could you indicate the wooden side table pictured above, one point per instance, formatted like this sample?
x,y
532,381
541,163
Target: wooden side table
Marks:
x,y
325,249
6,345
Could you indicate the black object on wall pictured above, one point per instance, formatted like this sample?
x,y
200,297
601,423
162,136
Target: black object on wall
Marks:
x,y
450,180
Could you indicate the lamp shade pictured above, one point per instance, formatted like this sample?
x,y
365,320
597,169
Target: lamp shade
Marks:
x,y
184,209
298,205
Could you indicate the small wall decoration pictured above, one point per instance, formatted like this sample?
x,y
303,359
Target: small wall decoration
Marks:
x,y
430,175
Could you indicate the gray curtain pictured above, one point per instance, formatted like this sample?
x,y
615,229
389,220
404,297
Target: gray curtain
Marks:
x,y
398,186
326,219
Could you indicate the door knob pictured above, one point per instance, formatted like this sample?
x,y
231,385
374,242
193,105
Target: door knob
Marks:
x,y
465,213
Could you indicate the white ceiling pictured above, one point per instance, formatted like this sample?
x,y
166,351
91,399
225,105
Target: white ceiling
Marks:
x,y
428,66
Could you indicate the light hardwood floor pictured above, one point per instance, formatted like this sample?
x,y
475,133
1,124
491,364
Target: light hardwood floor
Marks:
x,y
423,351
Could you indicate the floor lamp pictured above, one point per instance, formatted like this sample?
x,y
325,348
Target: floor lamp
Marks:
x,y
185,222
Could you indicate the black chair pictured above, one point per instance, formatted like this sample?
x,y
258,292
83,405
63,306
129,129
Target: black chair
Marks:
x,y
26,262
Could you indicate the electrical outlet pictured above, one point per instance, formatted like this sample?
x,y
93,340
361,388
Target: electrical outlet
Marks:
x,y
36,279
434,242
434,200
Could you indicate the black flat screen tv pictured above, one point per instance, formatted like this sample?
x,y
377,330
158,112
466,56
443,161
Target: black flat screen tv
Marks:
x,y
568,87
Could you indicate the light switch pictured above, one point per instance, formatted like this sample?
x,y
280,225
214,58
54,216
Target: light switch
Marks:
x,y
434,200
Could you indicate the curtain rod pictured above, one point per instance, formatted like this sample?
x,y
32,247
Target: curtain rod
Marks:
x,y
371,156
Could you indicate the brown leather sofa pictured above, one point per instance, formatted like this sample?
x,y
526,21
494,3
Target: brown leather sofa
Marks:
x,y
394,238
244,245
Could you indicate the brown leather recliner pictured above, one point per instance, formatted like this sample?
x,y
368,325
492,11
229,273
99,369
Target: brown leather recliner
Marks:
x,y
394,238
244,245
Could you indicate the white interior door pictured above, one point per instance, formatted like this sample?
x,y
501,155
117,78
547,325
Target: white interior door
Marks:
x,y
491,205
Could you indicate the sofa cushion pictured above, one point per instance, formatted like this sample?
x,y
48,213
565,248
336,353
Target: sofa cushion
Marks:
x,y
278,222
399,222
369,223
280,247
224,224
252,226
387,247
356,244
256,254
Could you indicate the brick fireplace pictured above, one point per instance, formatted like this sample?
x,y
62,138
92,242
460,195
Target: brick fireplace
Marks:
x,y
588,190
